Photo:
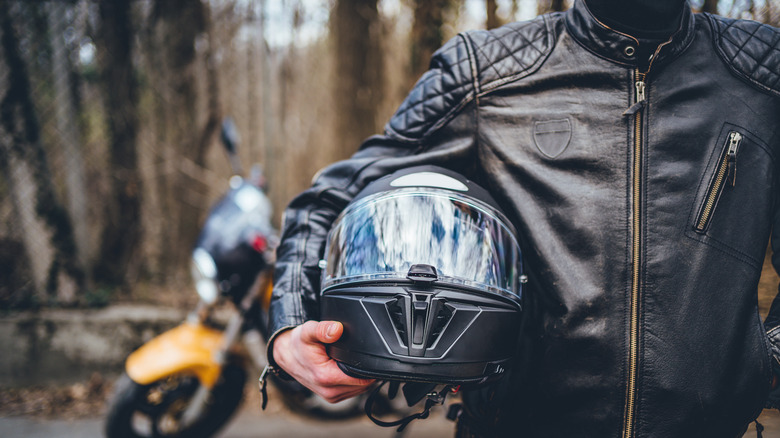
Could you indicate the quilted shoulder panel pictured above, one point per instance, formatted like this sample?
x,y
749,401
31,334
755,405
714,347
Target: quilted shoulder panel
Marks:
x,y
470,64
751,50
512,51
444,89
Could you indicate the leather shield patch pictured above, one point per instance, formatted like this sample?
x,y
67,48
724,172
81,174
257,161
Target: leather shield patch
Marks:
x,y
552,137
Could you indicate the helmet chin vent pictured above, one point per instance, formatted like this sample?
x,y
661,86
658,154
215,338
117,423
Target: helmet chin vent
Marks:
x,y
423,318
396,310
442,318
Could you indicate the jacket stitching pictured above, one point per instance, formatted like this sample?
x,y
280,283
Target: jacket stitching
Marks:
x,y
724,248
704,176
405,111
717,37
641,288
436,126
449,116
511,53
473,65
496,38
741,47
478,90
475,81
756,140
750,35
706,237
550,38
390,131
590,50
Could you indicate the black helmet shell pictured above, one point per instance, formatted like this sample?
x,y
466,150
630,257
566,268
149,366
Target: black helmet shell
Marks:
x,y
424,271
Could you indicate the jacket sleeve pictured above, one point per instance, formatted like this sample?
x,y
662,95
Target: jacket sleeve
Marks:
x,y
749,49
436,124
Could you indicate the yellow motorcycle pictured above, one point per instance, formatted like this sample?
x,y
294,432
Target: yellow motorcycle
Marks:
x,y
188,381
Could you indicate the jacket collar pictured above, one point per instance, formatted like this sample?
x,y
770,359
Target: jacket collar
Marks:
x,y
619,47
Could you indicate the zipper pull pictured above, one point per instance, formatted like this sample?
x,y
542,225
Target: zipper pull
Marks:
x,y
640,91
640,99
735,138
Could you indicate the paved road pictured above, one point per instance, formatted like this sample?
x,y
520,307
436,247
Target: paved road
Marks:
x,y
251,423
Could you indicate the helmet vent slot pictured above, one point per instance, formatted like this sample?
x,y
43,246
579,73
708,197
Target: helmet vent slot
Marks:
x,y
396,311
442,318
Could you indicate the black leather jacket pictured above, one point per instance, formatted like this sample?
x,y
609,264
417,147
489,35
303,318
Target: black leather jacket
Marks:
x,y
645,200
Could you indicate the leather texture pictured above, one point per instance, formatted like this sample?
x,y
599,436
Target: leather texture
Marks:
x,y
538,113
466,66
751,49
438,94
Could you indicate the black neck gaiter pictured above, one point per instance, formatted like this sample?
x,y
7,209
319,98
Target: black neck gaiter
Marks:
x,y
651,22
657,19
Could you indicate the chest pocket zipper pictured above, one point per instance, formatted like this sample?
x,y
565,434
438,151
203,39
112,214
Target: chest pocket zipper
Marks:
x,y
726,175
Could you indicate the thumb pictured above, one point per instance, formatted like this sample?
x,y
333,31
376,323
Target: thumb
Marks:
x,y
325,332
329,331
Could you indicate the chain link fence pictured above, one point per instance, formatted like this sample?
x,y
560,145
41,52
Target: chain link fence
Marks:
x,y
109,115
110,104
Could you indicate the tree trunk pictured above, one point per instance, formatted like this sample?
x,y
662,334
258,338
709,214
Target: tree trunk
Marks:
x,y
493,20
544,6
515,10
178,26
121,234
270,157
356,29
426,34
46,229
710,6
67,127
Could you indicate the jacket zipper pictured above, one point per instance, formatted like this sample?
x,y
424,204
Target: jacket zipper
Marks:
x,y
633,350
640,101
726,173
637,110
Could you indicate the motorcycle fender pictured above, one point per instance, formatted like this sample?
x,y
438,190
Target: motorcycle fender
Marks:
x,y
188,348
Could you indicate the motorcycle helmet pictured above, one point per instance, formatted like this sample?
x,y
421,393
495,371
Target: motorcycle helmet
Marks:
x,y
424,272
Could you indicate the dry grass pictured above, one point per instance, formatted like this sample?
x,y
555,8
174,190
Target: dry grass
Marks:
x,y
78,400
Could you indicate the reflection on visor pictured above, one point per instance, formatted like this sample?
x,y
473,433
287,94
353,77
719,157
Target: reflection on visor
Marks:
x,y
383,235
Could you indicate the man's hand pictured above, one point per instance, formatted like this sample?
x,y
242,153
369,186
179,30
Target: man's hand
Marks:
x,y
301,353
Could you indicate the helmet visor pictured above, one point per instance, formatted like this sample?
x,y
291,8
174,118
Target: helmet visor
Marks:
x,y
381,236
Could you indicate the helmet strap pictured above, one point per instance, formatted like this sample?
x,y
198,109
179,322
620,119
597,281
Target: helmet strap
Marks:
x,y
433,398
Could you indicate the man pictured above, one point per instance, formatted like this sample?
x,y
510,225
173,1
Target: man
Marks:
x,y
634,146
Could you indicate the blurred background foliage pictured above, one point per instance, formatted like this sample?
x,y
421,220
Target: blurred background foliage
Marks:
x,y
110,113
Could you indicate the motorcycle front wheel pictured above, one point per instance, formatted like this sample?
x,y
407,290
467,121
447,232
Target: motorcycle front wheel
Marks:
x,y
155,410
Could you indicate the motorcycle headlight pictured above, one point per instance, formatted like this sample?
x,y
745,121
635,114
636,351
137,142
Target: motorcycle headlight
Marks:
x,y
204,273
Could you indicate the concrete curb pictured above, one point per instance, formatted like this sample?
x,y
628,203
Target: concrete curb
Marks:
x,y
53,346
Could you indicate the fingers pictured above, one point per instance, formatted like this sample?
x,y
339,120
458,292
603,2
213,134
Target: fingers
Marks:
x,y
301,352
326,332
330,375
337,394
